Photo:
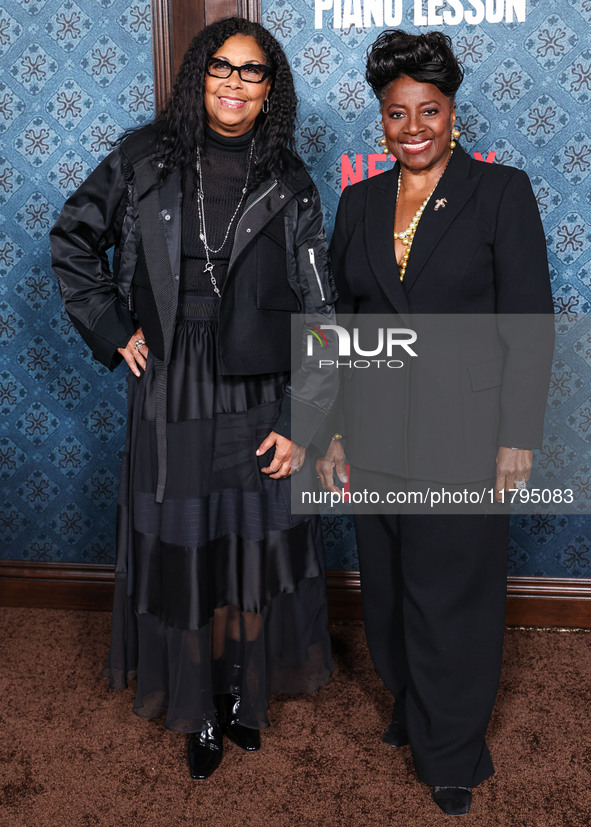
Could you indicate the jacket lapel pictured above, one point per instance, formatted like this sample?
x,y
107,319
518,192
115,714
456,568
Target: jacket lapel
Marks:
x,y
455,186
171,197
156,250
379,235
251,222
274,194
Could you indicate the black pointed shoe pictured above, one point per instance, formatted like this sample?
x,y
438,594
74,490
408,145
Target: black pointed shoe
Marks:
x,y
395,735
243,736
454,801
205,751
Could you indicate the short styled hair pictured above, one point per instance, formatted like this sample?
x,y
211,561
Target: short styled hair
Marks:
x,y
426,58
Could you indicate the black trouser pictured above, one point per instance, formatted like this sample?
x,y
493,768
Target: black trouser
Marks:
x,y
434,590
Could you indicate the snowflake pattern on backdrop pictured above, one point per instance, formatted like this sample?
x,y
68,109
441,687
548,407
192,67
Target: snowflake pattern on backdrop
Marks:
x,y
74,75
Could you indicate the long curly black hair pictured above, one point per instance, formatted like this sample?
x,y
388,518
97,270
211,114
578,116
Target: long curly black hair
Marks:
x,y
426,58
182,123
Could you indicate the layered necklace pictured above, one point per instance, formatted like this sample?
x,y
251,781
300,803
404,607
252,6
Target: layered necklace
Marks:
x,y
407,236
201,212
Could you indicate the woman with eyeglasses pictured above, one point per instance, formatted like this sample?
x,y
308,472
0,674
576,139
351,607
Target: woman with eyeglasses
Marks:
x,y
218,238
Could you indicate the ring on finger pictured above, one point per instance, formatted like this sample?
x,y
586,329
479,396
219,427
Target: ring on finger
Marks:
x,y
139,344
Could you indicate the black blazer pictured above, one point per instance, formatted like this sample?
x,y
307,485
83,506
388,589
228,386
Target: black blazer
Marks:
x,y
481,378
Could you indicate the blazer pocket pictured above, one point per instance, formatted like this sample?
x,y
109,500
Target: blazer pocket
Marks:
x,y
485,375
273,289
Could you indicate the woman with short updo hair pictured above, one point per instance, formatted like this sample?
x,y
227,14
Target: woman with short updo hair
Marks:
x,y
427,58
440,233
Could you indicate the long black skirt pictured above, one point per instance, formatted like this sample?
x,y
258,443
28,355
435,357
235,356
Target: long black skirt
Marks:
x,y
219,588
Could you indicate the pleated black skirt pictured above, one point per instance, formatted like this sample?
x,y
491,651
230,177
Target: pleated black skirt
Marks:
x,y
219,588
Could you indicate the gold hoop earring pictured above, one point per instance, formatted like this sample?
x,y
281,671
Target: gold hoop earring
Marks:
x,y
455,133
384,143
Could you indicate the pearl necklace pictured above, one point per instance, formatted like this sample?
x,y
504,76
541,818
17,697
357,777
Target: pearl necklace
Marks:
x,y
407,236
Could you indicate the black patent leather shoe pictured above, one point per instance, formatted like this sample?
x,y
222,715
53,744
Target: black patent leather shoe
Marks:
x,y
454,801
205,751
395,735
243,736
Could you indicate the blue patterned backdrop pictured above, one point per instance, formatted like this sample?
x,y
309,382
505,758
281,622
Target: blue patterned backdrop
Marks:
x,y
73,75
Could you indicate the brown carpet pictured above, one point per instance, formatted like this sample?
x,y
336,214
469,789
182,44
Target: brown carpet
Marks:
x,y
72,753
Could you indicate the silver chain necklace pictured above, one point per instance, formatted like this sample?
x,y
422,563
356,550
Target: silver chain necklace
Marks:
x,y
201,212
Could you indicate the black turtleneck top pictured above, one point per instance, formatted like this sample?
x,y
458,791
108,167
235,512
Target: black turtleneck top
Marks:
x,y
224,162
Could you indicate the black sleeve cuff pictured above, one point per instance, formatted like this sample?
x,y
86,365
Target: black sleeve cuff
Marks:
x,y
298,421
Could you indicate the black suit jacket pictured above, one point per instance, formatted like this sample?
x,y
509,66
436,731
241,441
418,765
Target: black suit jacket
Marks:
x,y
481,376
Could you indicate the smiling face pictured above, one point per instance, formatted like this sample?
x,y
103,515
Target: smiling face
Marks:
x,y
417,120
232,104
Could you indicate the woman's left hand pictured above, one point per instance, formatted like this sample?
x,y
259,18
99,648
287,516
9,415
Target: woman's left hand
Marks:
x,y
513,464
289,456
135,356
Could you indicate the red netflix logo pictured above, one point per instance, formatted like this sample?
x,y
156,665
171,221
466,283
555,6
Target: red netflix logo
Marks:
x,y
351,174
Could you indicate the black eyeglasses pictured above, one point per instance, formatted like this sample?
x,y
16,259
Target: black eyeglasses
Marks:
x,y
249,72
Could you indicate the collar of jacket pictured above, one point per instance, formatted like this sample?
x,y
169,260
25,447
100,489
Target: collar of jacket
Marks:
x,y
262,204
140,148
266,201
455,185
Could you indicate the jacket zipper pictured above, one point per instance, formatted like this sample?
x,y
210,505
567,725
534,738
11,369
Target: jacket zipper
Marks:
x,y
250,206
256,201
313,263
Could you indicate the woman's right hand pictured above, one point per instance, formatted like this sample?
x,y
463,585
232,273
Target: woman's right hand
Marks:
x,y
326,466
135,357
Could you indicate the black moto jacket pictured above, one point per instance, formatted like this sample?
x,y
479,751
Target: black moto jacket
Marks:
x,y
278,267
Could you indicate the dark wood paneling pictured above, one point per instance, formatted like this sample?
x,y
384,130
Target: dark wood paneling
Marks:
x,y
549,601
250,9
216,9
188,18
56,585
176,22
344,594
532,601
161,51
